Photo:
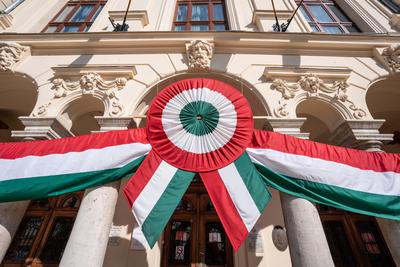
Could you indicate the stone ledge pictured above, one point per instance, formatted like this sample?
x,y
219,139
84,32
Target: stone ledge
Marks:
x,y
41,128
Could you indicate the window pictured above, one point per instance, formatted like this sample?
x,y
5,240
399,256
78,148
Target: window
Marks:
x,y
44,231
392,5
76,16
326,16
6,6
354,239
206,15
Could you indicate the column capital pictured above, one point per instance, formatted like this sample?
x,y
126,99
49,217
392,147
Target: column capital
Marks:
x,y
41,129
114,123
289,126
360,134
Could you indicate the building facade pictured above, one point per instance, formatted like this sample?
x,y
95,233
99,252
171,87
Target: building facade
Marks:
x,y
332,77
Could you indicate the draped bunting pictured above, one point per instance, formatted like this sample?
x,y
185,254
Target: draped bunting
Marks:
x,y
190,130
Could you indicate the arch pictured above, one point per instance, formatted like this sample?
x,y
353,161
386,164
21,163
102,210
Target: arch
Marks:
x,y
383,102
255,99
322,118
18,98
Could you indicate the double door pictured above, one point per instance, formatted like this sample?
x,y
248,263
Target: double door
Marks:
x,y
195,236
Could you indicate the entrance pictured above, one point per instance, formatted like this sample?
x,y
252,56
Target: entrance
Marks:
x,y
194,235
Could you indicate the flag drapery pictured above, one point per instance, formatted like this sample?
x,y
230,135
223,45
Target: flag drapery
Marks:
x,y
203,126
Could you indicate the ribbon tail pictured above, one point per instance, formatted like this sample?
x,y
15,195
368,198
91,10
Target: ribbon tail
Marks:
x,y
239,197
154,192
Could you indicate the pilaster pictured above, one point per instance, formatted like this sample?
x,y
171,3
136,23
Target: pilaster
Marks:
x,y
41,129
114,123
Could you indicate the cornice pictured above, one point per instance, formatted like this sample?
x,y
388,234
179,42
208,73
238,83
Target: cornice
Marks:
x,y
225,42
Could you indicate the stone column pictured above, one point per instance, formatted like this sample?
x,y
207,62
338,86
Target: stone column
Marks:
x,y
307,241
11,215
87,243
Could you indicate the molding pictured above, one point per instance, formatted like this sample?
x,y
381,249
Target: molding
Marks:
x,y
5,21
41,129
138,15
108,72
289,126
112,123
290,73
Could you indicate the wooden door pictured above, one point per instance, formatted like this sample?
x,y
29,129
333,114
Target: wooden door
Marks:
x,y
195,236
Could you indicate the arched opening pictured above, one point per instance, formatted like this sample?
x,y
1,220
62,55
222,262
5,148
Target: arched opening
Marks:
x,y
322,119
256,102
383,101
79,116
18,98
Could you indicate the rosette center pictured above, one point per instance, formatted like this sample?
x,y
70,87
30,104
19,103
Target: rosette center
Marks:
x,y
199,118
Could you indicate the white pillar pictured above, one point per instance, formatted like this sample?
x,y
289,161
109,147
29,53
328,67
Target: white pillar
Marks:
x,y
307,241
11,214
87,243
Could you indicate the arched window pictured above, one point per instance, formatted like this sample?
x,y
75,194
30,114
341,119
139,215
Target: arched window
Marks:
x,y
200,15
354,239
44,231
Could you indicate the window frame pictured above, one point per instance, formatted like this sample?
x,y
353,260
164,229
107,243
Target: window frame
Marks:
x,y
76,4
210,22
336,21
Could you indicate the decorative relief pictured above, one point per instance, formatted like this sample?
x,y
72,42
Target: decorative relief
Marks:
x,y
391,55
10,54
92,83
199,54
313,85
42,110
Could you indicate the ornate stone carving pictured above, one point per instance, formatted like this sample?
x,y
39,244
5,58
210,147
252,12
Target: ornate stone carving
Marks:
x,y
391,55
92,83
199,54
287,91
10,54
279,238
313,85
42,110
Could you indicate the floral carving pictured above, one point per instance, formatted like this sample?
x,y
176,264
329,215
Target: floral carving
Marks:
x,y
391,56
42,110
199,55
313,85
92,83
10,54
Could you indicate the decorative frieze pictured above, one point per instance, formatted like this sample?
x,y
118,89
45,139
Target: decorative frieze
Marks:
x,y
391,56
312,85
199,54
10,54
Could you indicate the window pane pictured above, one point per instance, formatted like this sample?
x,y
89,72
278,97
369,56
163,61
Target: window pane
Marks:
x,y
215,244
96,14
199,12
180,239
70,29
180,28
315,28
320,14
182,13
332,29
305,14
352,29
82,13
200,28
218,12
341,16
64,14
391,4
219,27
51,29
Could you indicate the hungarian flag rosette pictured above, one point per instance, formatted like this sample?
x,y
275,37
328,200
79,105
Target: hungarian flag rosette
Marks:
x,y
205,127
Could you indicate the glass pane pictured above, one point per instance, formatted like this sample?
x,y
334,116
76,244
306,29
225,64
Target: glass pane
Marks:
x,y
320,14
305,14
215,244
332,29
338,243
315,28
373,244
96,14
339,14
23,240
64,14
352,29
180,28
43,203
219,27
199,12
70,29
82,13
391,4
182,13
218,12
184,205
55,245
200,28
71,202
179,243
